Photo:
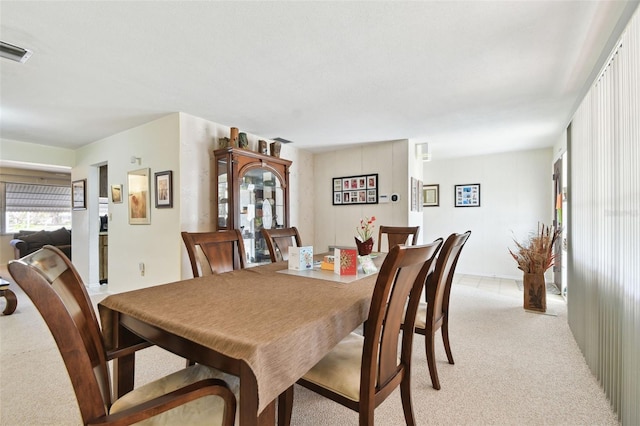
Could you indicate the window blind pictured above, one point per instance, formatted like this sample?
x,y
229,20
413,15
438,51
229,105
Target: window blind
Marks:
x,y
37,198
603,300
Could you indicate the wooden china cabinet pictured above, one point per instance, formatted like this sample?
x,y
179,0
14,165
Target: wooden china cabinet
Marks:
x,y
252,193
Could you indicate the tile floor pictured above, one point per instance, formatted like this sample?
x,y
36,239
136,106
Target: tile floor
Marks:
x,y
503,286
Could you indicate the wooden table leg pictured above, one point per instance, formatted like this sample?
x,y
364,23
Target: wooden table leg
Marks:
x,y
249,401
12,301
124,366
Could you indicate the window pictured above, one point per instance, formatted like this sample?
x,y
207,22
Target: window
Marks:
x,y
36,207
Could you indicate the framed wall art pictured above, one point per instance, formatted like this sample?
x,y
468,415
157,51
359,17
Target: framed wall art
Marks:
x,y
164,189
467,195
359,189
431,195
139,202
116,194
79,194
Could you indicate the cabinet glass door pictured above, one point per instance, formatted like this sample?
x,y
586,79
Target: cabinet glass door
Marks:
x,y
261,206
223,194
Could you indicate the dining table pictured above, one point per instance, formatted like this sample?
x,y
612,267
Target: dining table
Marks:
x,y
267,325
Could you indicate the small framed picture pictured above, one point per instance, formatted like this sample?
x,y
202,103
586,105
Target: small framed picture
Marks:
x,y
139,199
431,195
116,193
467,195
164,189
79,194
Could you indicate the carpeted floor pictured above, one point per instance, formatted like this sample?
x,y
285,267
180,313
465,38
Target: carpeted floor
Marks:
x,y
512,368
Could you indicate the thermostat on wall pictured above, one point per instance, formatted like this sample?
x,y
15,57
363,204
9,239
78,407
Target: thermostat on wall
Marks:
x,y
395,197
383,198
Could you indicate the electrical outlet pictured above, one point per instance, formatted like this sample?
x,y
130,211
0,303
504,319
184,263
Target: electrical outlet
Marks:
x,y
141,266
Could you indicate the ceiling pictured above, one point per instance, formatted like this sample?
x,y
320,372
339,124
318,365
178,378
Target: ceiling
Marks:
x,y
469,77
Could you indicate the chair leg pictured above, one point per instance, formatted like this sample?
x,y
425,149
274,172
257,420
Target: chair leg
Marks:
x,y
407,407
285,407
431,359
445,339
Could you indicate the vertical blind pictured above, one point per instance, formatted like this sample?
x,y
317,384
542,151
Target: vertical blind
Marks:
x,y
604,227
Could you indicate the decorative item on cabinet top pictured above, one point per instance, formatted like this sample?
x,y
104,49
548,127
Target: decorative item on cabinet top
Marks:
x,y
233,136
243,142
224,142
263,147
275,149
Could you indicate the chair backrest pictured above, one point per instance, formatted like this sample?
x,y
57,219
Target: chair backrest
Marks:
x,y
399,285
279,240
214,252
398,235
57,291
438,287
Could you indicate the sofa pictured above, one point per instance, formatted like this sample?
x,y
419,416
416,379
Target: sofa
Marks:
x,y
26,242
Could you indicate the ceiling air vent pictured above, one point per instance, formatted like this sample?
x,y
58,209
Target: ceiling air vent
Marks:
x,y
281,140
15,53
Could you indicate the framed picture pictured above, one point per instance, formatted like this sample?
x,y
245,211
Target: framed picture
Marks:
x,y
116,193
467,195
361,189
164,189
431,195
79,194
139,199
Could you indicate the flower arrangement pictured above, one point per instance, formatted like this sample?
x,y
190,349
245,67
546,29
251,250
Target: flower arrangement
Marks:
x,y
365,229
536,254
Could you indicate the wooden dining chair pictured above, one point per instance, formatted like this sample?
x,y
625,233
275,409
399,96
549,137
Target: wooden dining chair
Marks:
x,y
398,235
361,371
214,252
434,314
187,396
279,240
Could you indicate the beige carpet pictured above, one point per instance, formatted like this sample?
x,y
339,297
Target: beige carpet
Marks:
x,y
512,368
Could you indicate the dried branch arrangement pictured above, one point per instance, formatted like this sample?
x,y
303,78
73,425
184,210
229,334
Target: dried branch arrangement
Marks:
x,y
536,254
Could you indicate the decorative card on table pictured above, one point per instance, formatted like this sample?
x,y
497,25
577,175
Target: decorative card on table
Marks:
x,y
328,263
301,258
346,261
368,267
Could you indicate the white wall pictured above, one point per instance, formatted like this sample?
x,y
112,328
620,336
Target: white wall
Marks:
x,y
156,245
336,225
23,152
516,194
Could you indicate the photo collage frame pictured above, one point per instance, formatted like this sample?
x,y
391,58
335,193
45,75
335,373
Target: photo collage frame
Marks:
x,y
359,189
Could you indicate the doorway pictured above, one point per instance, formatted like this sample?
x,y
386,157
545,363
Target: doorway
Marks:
x,y
103,235
560,222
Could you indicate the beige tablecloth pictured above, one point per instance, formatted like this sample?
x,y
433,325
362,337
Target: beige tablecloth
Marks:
x,y
279,324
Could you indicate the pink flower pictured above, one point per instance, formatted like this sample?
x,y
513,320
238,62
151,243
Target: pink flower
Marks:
x,y
365,230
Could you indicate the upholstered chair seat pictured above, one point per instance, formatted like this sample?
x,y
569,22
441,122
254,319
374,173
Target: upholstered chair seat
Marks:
x,y
203,411
340,369
421,316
